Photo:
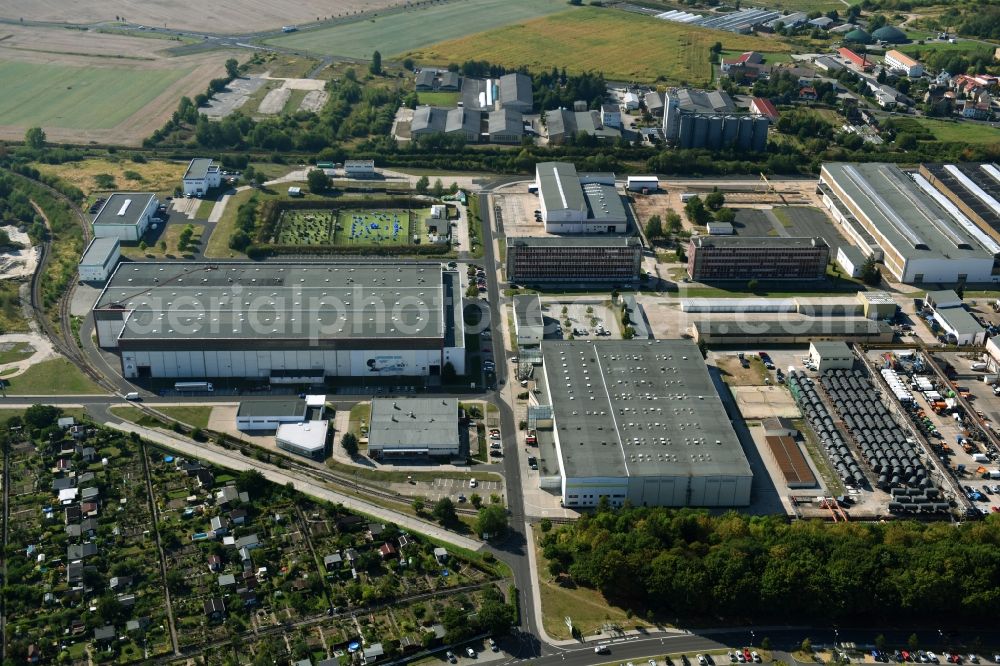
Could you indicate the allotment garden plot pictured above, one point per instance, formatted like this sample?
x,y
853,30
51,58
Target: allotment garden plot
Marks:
x,y
394,226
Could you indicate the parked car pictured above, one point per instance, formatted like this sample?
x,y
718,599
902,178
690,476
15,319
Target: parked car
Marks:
x,y
493,645
473,483
702,661
756,657
451,657
469,651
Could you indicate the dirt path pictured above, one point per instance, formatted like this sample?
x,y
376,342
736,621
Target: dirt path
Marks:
x,y
43,352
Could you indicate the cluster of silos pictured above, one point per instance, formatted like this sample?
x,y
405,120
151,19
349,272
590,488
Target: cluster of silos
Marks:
x,y
885,447
718,131
821,421
917,500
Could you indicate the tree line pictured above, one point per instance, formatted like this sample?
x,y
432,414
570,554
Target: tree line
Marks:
x,y
687,563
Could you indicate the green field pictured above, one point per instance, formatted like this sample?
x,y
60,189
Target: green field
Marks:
x,y
37,94
623,45
55,377
351,227
438,98
396,32
954,131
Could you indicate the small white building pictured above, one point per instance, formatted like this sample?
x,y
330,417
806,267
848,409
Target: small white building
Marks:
x,y
359,168
630,101
529,325
439,212
126,216
961,327
201,176
100,258
720,229
640,183
831,355
294,191
851,260
307,439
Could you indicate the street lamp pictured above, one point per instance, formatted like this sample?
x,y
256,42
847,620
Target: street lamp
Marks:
x,y
751,638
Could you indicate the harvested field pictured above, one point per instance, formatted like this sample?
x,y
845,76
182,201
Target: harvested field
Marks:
x,y
400,31
274,101
84,87
228,16
625,46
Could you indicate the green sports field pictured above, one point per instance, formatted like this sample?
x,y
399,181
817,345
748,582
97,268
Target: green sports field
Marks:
x,y
36,94
396,32
392,226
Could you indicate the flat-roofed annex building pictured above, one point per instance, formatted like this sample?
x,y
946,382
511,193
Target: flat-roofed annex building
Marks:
x,y
640,420
413,428
920,239
529,324
585,203
245,320
126,216
200,176
573,259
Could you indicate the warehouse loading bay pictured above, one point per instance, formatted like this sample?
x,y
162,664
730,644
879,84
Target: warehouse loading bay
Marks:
x,y
879,456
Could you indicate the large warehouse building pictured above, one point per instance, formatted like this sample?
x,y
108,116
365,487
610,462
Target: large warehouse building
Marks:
x,y
573,203
576,259
413,428
708,119
974,189
922,237
264,321
640,420
763,258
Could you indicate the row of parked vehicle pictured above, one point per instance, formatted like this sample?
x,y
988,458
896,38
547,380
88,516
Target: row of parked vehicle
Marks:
x,y
924,657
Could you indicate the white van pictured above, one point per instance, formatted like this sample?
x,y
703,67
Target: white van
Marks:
x,y
134,395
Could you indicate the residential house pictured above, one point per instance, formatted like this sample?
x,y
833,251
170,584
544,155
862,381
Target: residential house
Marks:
x,y
333,561
219,525
238,516
372,653
441,555
104,634
807,93
227,581
387,551
214,563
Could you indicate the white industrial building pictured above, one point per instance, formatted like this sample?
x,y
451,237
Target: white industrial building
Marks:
x,y
100,259
359,168
640,420
271,321
529,325
413,428
259,415
585,203
201,176
900,63
308,439
957,322
126,216
640,183
901,219
831,355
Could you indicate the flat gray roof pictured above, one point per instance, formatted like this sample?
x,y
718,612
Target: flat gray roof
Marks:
x,y
559,185
717,328
626,408
703,101
99,250
913,223
123,208
960,320
602,240
604,202
248,301
528,310
413,422
943,296
757,241
198,168
836,348
261,408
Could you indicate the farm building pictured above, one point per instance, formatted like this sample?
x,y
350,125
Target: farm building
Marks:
x,y
640,420
269,321
359,168
201,176
516,93
611,115
578,203
126,216
100,259
831,355
529,325
764,107
920,236
413,428
459,121
577,259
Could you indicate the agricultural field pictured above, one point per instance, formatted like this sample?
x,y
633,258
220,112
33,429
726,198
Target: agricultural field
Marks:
x,y
350,227
83,86
226,16
953,131
151,176
625,46
396,32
